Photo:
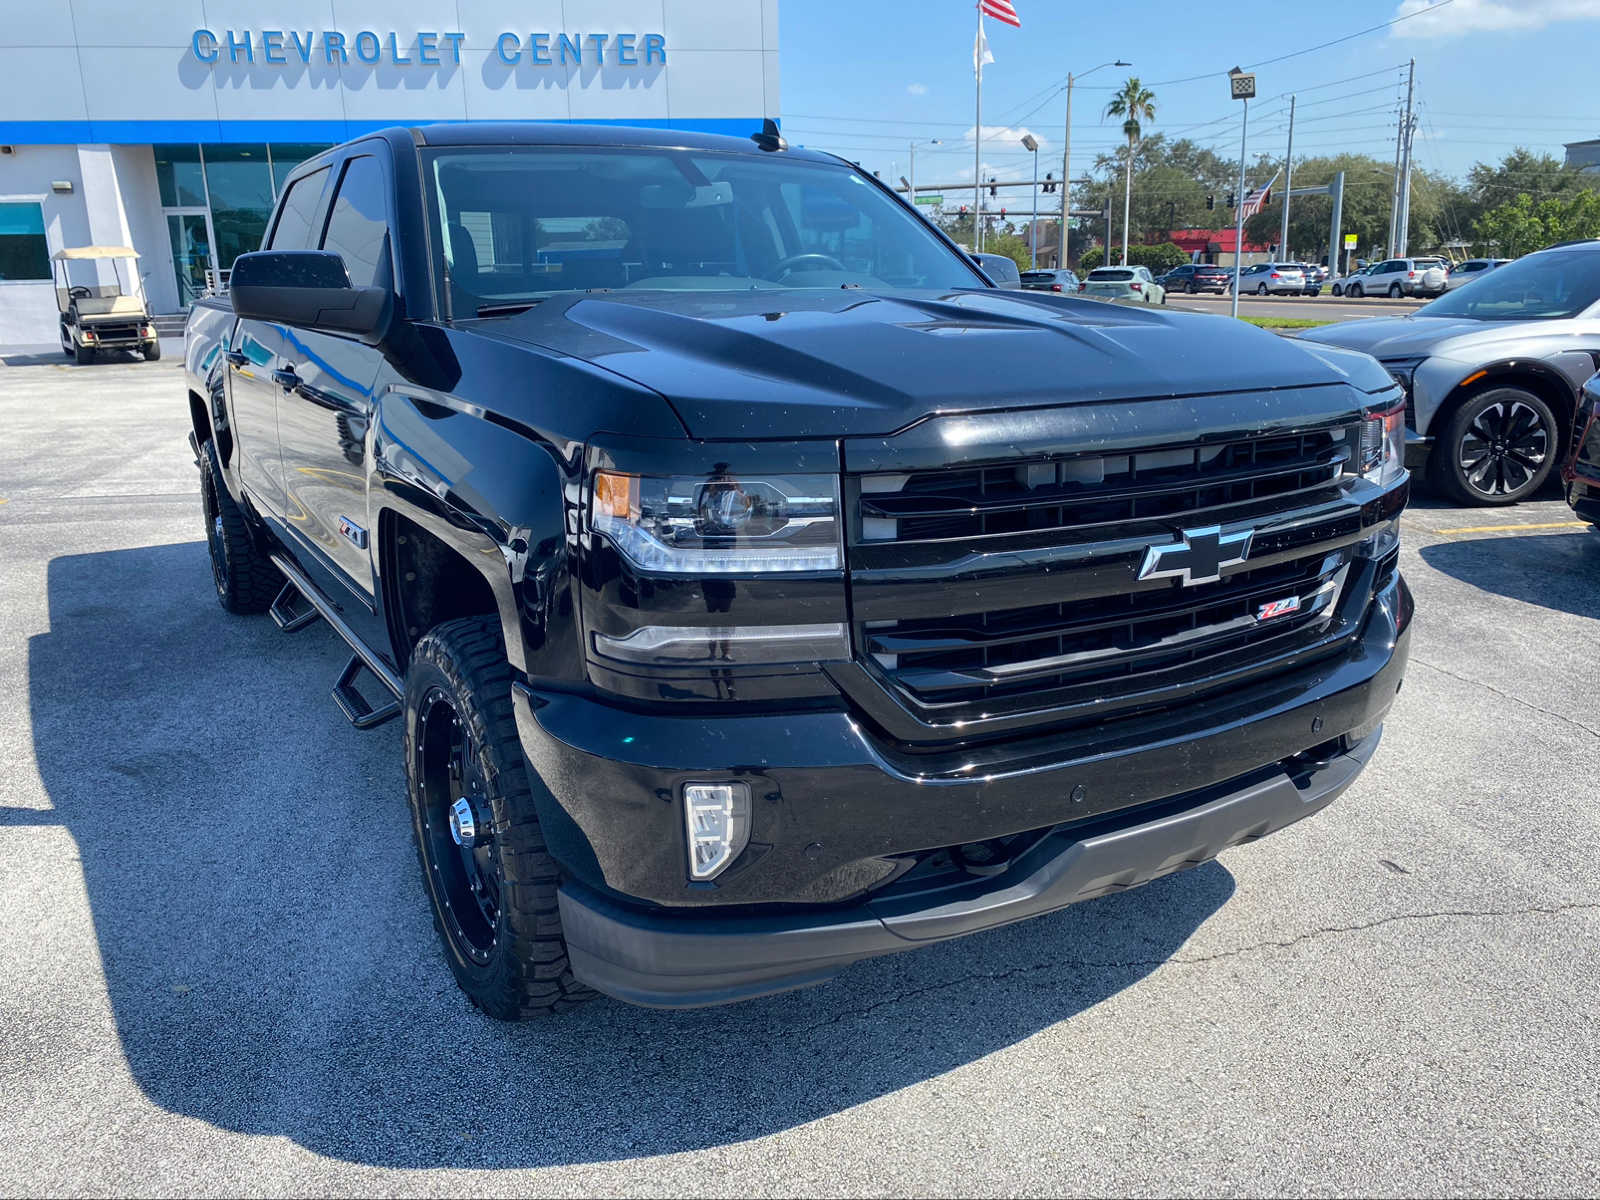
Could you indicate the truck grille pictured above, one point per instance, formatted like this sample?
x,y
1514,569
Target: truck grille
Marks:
x,y
1077,626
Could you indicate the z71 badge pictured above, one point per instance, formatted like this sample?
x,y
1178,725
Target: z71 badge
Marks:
x,y
1278,608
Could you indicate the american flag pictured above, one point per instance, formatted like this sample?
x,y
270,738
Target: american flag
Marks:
x,y
1000,10
1254,201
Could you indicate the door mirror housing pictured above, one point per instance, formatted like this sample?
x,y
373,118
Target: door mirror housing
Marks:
x,y
310,289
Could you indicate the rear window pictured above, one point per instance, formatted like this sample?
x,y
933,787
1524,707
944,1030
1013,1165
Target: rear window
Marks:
x,y
1110,274
1286,266
1038,277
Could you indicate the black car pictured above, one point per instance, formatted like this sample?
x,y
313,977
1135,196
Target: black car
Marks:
x,y
1196,277
1000,268
758,587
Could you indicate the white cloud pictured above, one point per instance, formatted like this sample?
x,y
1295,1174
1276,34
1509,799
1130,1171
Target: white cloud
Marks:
x,y
1005,133
1488,16
917,89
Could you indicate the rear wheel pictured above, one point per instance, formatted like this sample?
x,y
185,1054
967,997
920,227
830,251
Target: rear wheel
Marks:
x,y
152,351
489,876
1193,290
1261,290
1395,291
1497,448
246,580
1356,291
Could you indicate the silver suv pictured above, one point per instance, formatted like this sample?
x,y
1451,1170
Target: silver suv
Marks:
x,y
1395,277
1491,372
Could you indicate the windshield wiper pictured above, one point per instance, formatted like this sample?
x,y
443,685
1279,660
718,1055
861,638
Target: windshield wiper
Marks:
x,y
508,308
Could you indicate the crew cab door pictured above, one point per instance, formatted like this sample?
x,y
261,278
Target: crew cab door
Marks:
x,y
254,354
325,400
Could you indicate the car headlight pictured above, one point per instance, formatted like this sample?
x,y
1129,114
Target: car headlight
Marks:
x,y
720,525
1402,370
1381,455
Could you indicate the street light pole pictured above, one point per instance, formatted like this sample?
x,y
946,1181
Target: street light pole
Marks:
x,y
912,182
1029,142
1241,86
1066,162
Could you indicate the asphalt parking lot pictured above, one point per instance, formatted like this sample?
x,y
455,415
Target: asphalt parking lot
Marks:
x,y
218,975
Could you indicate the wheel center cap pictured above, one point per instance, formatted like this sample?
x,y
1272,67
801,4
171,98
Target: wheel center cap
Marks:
x,y
463,829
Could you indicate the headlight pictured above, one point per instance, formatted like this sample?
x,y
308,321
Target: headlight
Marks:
x,y
1381,456
1401,370
720,525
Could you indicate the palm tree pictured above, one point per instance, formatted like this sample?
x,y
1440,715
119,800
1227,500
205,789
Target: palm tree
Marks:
x,y
1135,104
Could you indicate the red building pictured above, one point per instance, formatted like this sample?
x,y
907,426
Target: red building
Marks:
x,y
1215,245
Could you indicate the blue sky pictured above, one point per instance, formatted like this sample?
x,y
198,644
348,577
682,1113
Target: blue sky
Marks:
x,y
863,77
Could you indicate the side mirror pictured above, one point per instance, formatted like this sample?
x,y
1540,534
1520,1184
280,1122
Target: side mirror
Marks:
x,y
308,288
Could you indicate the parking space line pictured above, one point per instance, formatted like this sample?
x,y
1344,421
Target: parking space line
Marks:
x,y
1514,528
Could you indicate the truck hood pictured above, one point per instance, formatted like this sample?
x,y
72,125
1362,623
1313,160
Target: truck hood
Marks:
x,y
1410,337
851,363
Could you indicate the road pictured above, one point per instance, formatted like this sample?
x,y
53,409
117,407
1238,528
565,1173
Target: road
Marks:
x,y
1316,308
218,975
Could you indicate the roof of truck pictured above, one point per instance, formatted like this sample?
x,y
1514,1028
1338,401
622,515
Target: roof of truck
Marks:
x,y
559,133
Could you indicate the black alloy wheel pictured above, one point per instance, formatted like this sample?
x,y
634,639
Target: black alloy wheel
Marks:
x,y
1497,448
458,827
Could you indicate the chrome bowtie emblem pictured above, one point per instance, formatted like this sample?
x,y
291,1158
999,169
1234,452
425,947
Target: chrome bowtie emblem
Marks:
x,y
1198,555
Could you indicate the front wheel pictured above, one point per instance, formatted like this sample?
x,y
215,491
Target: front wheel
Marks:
x,y
84,355
490,878
246,580
1338,290
1497,448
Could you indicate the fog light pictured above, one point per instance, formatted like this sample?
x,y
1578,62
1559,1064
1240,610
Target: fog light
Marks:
x,y
717,819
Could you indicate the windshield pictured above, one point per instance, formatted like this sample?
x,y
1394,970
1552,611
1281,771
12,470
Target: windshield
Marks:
x,y
1544,286
517,224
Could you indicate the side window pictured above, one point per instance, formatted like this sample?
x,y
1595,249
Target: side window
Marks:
x,y
296,213
358,221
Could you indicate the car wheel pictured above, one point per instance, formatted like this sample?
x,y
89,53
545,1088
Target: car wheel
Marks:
x,y
1193,291
1355,291
1497,448
246,580
1395,291
1338,290
486,868
152,351
1261,289
84,355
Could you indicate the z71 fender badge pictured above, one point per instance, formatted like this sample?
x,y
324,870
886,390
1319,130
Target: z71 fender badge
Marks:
x,y
353,533
1278,608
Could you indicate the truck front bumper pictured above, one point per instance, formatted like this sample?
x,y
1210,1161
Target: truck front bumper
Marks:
x,y
837,813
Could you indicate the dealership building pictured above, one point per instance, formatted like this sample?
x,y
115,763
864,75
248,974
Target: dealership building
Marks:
x,y
170,128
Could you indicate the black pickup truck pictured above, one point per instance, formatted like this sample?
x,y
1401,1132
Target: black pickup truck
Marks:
x,y
760,588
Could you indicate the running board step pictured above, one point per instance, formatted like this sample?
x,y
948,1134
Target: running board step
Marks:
x,y
356,708
291,611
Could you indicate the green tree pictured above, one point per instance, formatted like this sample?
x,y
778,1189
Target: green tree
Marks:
x,y
1136,105
1522,224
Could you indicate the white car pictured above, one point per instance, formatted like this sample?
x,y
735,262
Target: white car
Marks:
x,y
1396,277
1272,279
1131,285
1472,268
1341,284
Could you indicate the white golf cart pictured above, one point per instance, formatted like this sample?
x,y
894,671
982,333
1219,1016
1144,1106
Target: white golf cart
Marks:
x,y
103,316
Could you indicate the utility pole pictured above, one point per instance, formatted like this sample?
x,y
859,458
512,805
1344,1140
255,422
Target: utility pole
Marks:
x,y
1288,184
1399,145
1405,191
1066,164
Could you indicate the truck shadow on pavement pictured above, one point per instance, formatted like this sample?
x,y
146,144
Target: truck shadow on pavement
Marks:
x,y
1554,570
272,969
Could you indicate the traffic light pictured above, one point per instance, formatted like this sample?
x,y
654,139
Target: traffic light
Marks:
x,y
963,210
1049,182
1232,198
992,191
1211,200
1002,214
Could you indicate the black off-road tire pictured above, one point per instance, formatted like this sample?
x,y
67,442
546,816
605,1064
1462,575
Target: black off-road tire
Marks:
x,y
246,580
524,972
84,355
152,351
1498,404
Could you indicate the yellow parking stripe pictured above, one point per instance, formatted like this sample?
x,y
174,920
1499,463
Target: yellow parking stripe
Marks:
x,y
1514,528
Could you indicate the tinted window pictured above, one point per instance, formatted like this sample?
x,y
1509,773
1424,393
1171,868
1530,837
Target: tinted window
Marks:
x,y
1544,286
357,224
1110,273
1038,277
295,215
24,253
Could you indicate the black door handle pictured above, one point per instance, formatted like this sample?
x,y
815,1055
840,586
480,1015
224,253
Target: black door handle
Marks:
x,y
235,358
285,378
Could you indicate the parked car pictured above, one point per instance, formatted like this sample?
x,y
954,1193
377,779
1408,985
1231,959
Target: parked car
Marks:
x,y
1582,472
1472,268
1396,277
97,315
1050,281
1341,285
1001,268
1128,285
744,619
1271,279
1194,278
1491,372
1315,273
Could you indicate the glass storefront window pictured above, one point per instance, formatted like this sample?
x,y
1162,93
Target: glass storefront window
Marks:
x,y
178,176
286,156
240,182
23,252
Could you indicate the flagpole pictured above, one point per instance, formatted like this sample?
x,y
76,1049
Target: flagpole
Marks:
x,y
977,143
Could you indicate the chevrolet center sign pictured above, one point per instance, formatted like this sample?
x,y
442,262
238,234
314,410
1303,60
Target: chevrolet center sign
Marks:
x,y
424,48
